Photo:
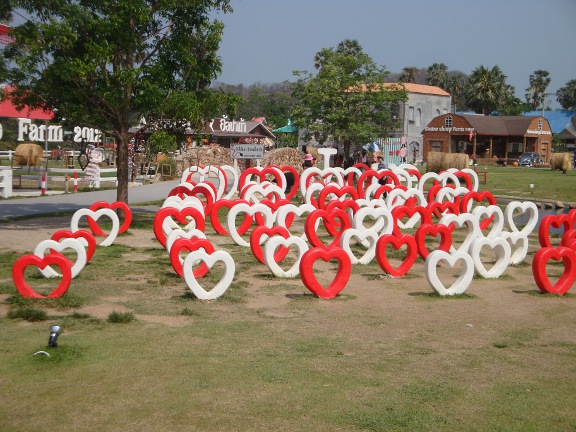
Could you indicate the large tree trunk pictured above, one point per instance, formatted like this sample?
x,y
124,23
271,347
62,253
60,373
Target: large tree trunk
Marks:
x,y
122,169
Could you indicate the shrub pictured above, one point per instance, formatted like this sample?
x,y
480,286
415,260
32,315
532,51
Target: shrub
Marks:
x,y
121,317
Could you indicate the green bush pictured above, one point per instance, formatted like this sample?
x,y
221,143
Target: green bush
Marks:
x,y
121,317
28,314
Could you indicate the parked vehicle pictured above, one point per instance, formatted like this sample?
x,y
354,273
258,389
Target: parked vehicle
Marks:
x,y
529,159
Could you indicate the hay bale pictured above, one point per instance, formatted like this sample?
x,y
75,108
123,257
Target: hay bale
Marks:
x,y
560,161
438,161
284,156
28,154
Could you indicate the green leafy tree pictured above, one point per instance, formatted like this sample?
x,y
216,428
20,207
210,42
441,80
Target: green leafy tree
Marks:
x,y
486,90
409,74
566,96
102,60
347,100
437,75
536,93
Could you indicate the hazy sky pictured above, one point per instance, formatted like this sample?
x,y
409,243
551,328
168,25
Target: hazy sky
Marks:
x,y
265,40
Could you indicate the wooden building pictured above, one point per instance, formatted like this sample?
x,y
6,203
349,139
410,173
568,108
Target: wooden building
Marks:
x,y
488,137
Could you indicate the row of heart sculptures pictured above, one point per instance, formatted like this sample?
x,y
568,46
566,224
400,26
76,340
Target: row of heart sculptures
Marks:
x,y
342,201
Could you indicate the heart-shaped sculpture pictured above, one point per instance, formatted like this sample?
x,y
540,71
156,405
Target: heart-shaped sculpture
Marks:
x,y
54,259
568,277
569,239
396,242
468,200
518,245
231,174
181,203
180,233
190,245
335,192
527,208
46,247
260,235
180,215
415,214
335,222
491,214
463,281
116,205
382,217
563,221
500,248
463,220
280,242
250,210
366,237
95,215
286,214
209,260
296,176
433,230
215,216
340,279
370,176
86,237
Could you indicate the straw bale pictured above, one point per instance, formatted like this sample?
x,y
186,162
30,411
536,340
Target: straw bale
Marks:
x,y
28,154
560,161
284,156
438,161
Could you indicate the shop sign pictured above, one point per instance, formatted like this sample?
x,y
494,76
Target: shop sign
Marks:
x,y
224,125
247,151
28,131
538,132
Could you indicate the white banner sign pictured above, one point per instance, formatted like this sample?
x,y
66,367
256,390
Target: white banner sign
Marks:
x,y
247,151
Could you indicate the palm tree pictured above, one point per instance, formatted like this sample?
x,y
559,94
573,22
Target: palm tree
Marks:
x,y
486,89
566,96
455,86
536,93
409,74
438,75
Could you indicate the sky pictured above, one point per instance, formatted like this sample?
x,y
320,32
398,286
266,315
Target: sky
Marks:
x,y
266,40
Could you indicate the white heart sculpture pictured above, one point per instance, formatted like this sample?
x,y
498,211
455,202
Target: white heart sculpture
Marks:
x,y
461,220
251,210
443,178
180,233
526,207
169,224
299,211
333,175
78,214
518,244
404,178
384,222
59,246
365,236
314,188
497,221
450,194
500,247
270,248
263,188
231,174
398,197
474,176
461,284
210,259
204,173
304,177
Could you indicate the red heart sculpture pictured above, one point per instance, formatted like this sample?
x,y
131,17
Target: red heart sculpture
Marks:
x,y
208,191
437,209
290,194
565,282
396,243
556,221
339,191
569,239
215,219
478,197
369,174
335,222
180,216
347,205
462,175
425,230
261,173
56,259
190,245
95,228
342,275
86,235
402,211
256,247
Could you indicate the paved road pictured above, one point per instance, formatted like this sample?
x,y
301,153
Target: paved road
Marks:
x,y
69,202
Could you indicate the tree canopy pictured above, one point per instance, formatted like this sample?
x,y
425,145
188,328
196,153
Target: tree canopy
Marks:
x,y
346,100
536,93
567,95
101,61
486,90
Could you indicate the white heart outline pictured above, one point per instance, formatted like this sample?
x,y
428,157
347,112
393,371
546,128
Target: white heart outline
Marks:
x,y
282,213
497,221
234,188
209,259
59,246
461,284
369,236
500,247
180,233
251,210
270,248
525,206
471,222
384,221
518,253
96,215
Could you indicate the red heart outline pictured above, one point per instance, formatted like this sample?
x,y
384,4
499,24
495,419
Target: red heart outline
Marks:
x,y
370,173
56,259
565,282
478,197
338,191
261,174
329,220
85,234
290,194
215,220
398,213
95,228
343,205
180,215
436,208
342,275
256,247
555,221
433,230
190,245
396,243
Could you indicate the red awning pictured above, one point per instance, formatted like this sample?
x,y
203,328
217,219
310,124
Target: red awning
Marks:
x,y
9,110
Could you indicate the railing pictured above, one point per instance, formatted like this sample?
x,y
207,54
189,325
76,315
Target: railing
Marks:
x,y
67,176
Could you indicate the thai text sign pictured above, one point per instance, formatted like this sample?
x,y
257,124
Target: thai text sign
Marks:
x,y
247,151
